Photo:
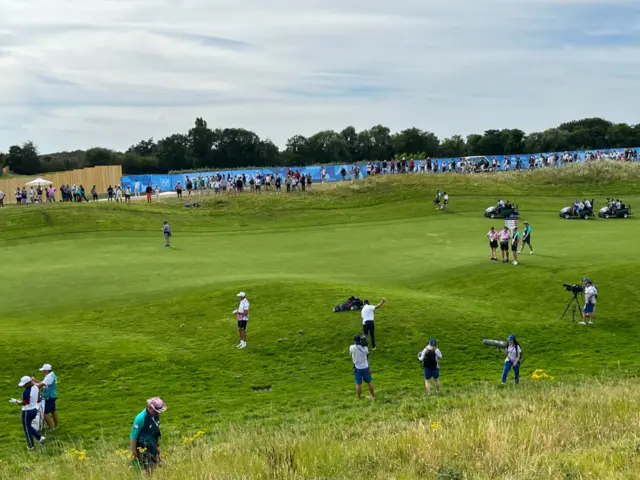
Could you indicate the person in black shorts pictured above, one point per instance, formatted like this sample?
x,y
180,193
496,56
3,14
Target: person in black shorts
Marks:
x,y
436,202
493,243
505,236
242,314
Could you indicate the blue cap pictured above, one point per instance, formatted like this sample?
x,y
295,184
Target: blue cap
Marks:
x,y
432,341
586,280
511,337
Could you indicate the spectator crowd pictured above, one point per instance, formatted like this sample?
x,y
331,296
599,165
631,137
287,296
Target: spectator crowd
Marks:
x,y
295,181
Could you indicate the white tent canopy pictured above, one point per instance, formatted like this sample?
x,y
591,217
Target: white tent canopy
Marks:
x,y
38,181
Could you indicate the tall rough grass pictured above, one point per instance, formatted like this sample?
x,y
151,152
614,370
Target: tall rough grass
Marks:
x,y
539,431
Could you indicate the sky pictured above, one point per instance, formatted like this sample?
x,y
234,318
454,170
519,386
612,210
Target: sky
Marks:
x,y
77,74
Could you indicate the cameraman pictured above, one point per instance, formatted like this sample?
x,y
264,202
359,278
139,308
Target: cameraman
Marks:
x,y
590,297
360,356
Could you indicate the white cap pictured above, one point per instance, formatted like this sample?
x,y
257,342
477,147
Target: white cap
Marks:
x,y
242,294
24,380
46,367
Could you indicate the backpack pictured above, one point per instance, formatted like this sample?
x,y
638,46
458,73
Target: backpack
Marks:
x,y
429,360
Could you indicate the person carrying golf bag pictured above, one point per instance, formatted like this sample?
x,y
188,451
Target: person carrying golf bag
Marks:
x,y
29,403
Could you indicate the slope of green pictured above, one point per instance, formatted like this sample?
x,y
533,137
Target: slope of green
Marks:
x,y
90,289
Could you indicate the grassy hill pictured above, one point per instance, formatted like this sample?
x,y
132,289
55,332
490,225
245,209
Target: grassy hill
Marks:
x,y
90,289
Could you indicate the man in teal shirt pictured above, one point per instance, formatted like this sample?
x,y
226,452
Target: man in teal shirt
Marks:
x,y
145,435
526,238
50,393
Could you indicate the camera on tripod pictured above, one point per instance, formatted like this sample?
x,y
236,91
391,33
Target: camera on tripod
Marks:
x,y
573,288
574,304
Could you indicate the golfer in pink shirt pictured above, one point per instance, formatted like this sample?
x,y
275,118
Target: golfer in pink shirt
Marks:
x,y
505,236
493,243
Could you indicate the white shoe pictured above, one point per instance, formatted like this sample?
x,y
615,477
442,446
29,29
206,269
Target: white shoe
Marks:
x,y
531,252
239,345
244,345
515,263
42,439
581,323
590,323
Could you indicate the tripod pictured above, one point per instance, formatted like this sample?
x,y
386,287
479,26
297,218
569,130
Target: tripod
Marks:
x,y
575,305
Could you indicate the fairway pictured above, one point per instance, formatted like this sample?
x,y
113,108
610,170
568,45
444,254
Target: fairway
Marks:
x,y
91,290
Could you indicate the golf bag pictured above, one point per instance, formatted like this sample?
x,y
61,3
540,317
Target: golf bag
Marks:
x,y
354,303
38,422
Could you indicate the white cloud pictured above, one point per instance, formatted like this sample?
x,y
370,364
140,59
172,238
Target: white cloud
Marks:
x,y
75,74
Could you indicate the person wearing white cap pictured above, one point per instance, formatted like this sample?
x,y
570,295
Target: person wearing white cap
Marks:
x,y
242,314
145,435
50,392
29,404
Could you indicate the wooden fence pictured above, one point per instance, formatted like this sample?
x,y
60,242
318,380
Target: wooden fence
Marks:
x,y
101,177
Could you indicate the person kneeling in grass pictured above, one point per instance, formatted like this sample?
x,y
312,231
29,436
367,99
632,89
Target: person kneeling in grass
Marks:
x,y
145,435
430,358
167,234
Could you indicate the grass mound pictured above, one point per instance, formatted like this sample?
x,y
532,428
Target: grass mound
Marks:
x,y
89,289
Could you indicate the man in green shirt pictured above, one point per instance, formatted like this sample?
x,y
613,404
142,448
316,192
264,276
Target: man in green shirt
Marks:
x,y
145,435
526,238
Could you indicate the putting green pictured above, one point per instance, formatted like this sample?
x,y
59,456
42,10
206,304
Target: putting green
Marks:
x,y
91,290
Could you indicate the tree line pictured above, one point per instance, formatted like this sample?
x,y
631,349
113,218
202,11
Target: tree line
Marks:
x,y
205,148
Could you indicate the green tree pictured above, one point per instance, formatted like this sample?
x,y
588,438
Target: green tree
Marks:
x,y
622,135
351,140
144,148
452,147
99,156
24,160
473,144
512,141
173,153
202,141
328,147
413,141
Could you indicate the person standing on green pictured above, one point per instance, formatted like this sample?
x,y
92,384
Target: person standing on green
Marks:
x,y
145,435
526,238
167,234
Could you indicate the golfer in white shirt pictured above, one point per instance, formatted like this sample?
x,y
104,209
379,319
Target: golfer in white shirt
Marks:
x,y
242,314
368,327
360,357
29,404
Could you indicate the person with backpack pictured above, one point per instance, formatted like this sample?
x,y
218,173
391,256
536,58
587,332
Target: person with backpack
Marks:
x,y
430,358
513,360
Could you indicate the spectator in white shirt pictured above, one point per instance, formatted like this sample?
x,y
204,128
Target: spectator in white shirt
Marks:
x,y
29,403
590,296
430,358
242,314
368,327
360,357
